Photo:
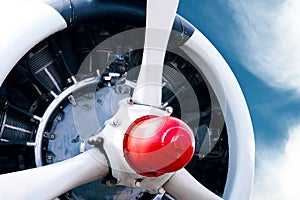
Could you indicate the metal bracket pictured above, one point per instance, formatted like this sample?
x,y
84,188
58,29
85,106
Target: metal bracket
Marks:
x,y
112,136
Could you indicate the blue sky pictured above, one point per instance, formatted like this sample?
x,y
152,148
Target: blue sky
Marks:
x,y
260,40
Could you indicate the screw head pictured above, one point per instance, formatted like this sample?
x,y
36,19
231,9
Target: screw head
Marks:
x,y
58,118
138,183
52,136
86,106
161,190
130,101
116,122
49,157
169,109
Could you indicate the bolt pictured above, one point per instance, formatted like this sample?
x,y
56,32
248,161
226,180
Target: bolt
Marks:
x,y
113,181
72,100
82,146
37,118
49,157
116,122
54,94
52,136
130,101
46,134
95,140
119,89
161,190
69,80
58,118
169,109
86,106
138,183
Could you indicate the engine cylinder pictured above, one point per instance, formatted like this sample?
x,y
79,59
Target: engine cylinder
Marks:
x,y
15,126
45,68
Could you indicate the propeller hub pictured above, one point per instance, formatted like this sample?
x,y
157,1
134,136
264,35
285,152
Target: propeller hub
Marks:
x,y
155,145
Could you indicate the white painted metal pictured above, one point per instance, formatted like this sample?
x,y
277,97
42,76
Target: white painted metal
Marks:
x,y
237,117
23,25
51,181
182,185
30,22
112,136
160,16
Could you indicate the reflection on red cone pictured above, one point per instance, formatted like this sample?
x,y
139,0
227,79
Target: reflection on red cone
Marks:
x,y
155,145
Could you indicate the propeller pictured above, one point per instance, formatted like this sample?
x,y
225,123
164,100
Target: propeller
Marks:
x,y
50,181
160,17
183,185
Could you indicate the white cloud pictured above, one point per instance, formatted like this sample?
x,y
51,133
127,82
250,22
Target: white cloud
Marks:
x,y
278,172
270,44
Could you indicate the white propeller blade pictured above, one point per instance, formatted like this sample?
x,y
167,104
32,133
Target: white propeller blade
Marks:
x,y
160,17
184,186
53,180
